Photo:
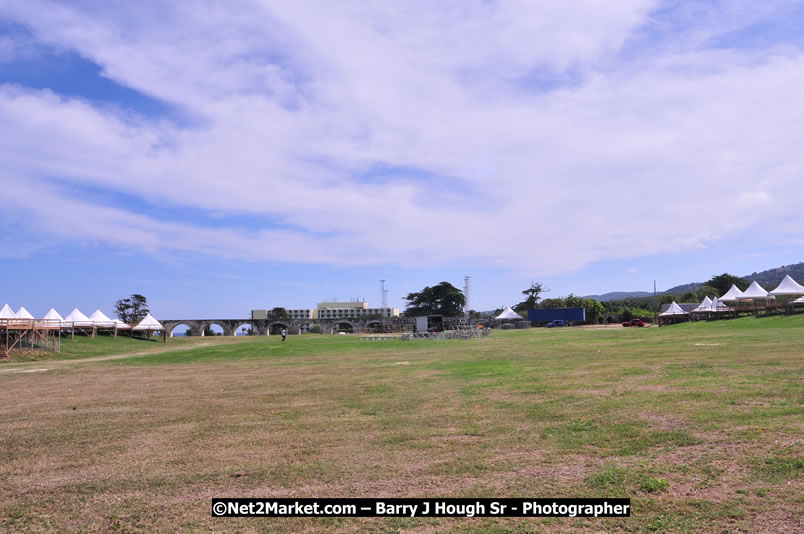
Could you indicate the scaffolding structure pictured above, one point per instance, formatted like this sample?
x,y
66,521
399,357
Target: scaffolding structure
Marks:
x,y
29,334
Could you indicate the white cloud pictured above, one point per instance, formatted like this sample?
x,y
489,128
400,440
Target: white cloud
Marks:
x,y
296,103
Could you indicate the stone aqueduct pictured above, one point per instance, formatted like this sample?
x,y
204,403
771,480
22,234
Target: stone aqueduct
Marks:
x,y
262,327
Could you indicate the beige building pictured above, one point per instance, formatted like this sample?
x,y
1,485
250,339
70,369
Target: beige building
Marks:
x,y
355,309
334,310
303,314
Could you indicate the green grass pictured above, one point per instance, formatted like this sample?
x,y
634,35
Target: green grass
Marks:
x,y
699,423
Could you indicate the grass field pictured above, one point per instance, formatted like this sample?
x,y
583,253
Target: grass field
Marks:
x,y
699,424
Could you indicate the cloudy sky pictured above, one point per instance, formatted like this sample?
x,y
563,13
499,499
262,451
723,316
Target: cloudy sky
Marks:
x,y
219,156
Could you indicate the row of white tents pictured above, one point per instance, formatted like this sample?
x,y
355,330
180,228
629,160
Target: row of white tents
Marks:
x,y
787,288
76,319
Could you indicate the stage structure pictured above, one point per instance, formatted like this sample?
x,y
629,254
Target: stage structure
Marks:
x,y
29,334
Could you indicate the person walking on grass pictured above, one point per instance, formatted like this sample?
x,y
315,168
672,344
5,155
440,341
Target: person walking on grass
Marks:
x,y
284,334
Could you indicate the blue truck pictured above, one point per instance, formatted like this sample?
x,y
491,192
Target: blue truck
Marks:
x,y
542,316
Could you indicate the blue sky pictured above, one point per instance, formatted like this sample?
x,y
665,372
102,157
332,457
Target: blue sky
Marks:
x,y
223,157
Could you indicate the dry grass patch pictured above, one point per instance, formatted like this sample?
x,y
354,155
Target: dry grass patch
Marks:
x,y
143,444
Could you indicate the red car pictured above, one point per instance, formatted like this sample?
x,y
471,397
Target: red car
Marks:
x,y
634,322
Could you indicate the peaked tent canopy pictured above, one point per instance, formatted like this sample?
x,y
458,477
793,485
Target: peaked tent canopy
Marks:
x,y
788,286
754,291
705,306
508,313
674,309
101,320
121,325
149,323
731,295
7,313
22,313
53,314
718,306
76,318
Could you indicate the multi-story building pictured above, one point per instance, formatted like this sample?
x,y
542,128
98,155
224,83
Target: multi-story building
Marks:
x,y
335,310
303,314
354,309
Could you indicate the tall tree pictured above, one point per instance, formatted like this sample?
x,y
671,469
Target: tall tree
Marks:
x,y
442,299
724,282
279,313
532,294
131,309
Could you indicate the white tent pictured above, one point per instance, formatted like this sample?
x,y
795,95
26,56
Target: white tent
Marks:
x,y
718,306
76,318
788,286
705,306
508,313
101,320
149,323
731,295
22,313
673,310
53,314
121,325
7,313
754,291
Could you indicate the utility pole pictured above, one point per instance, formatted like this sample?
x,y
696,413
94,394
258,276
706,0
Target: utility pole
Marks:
x,y
655,305
466,294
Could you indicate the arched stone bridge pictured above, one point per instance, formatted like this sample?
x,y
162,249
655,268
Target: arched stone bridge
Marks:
x,y
262,327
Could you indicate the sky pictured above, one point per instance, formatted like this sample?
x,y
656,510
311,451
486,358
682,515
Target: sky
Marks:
x,y
219,157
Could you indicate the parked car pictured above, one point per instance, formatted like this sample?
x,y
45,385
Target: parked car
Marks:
x,y
557,322
634,322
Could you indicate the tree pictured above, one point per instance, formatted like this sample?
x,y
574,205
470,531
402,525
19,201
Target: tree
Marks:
x,y
724,282
553,303
689,296
574,301
707,291
442,299
279,313
533,294
132,309
666,299
594,310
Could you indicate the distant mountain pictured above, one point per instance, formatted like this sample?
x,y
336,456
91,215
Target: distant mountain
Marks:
x,y
768,279
683,288
619,295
